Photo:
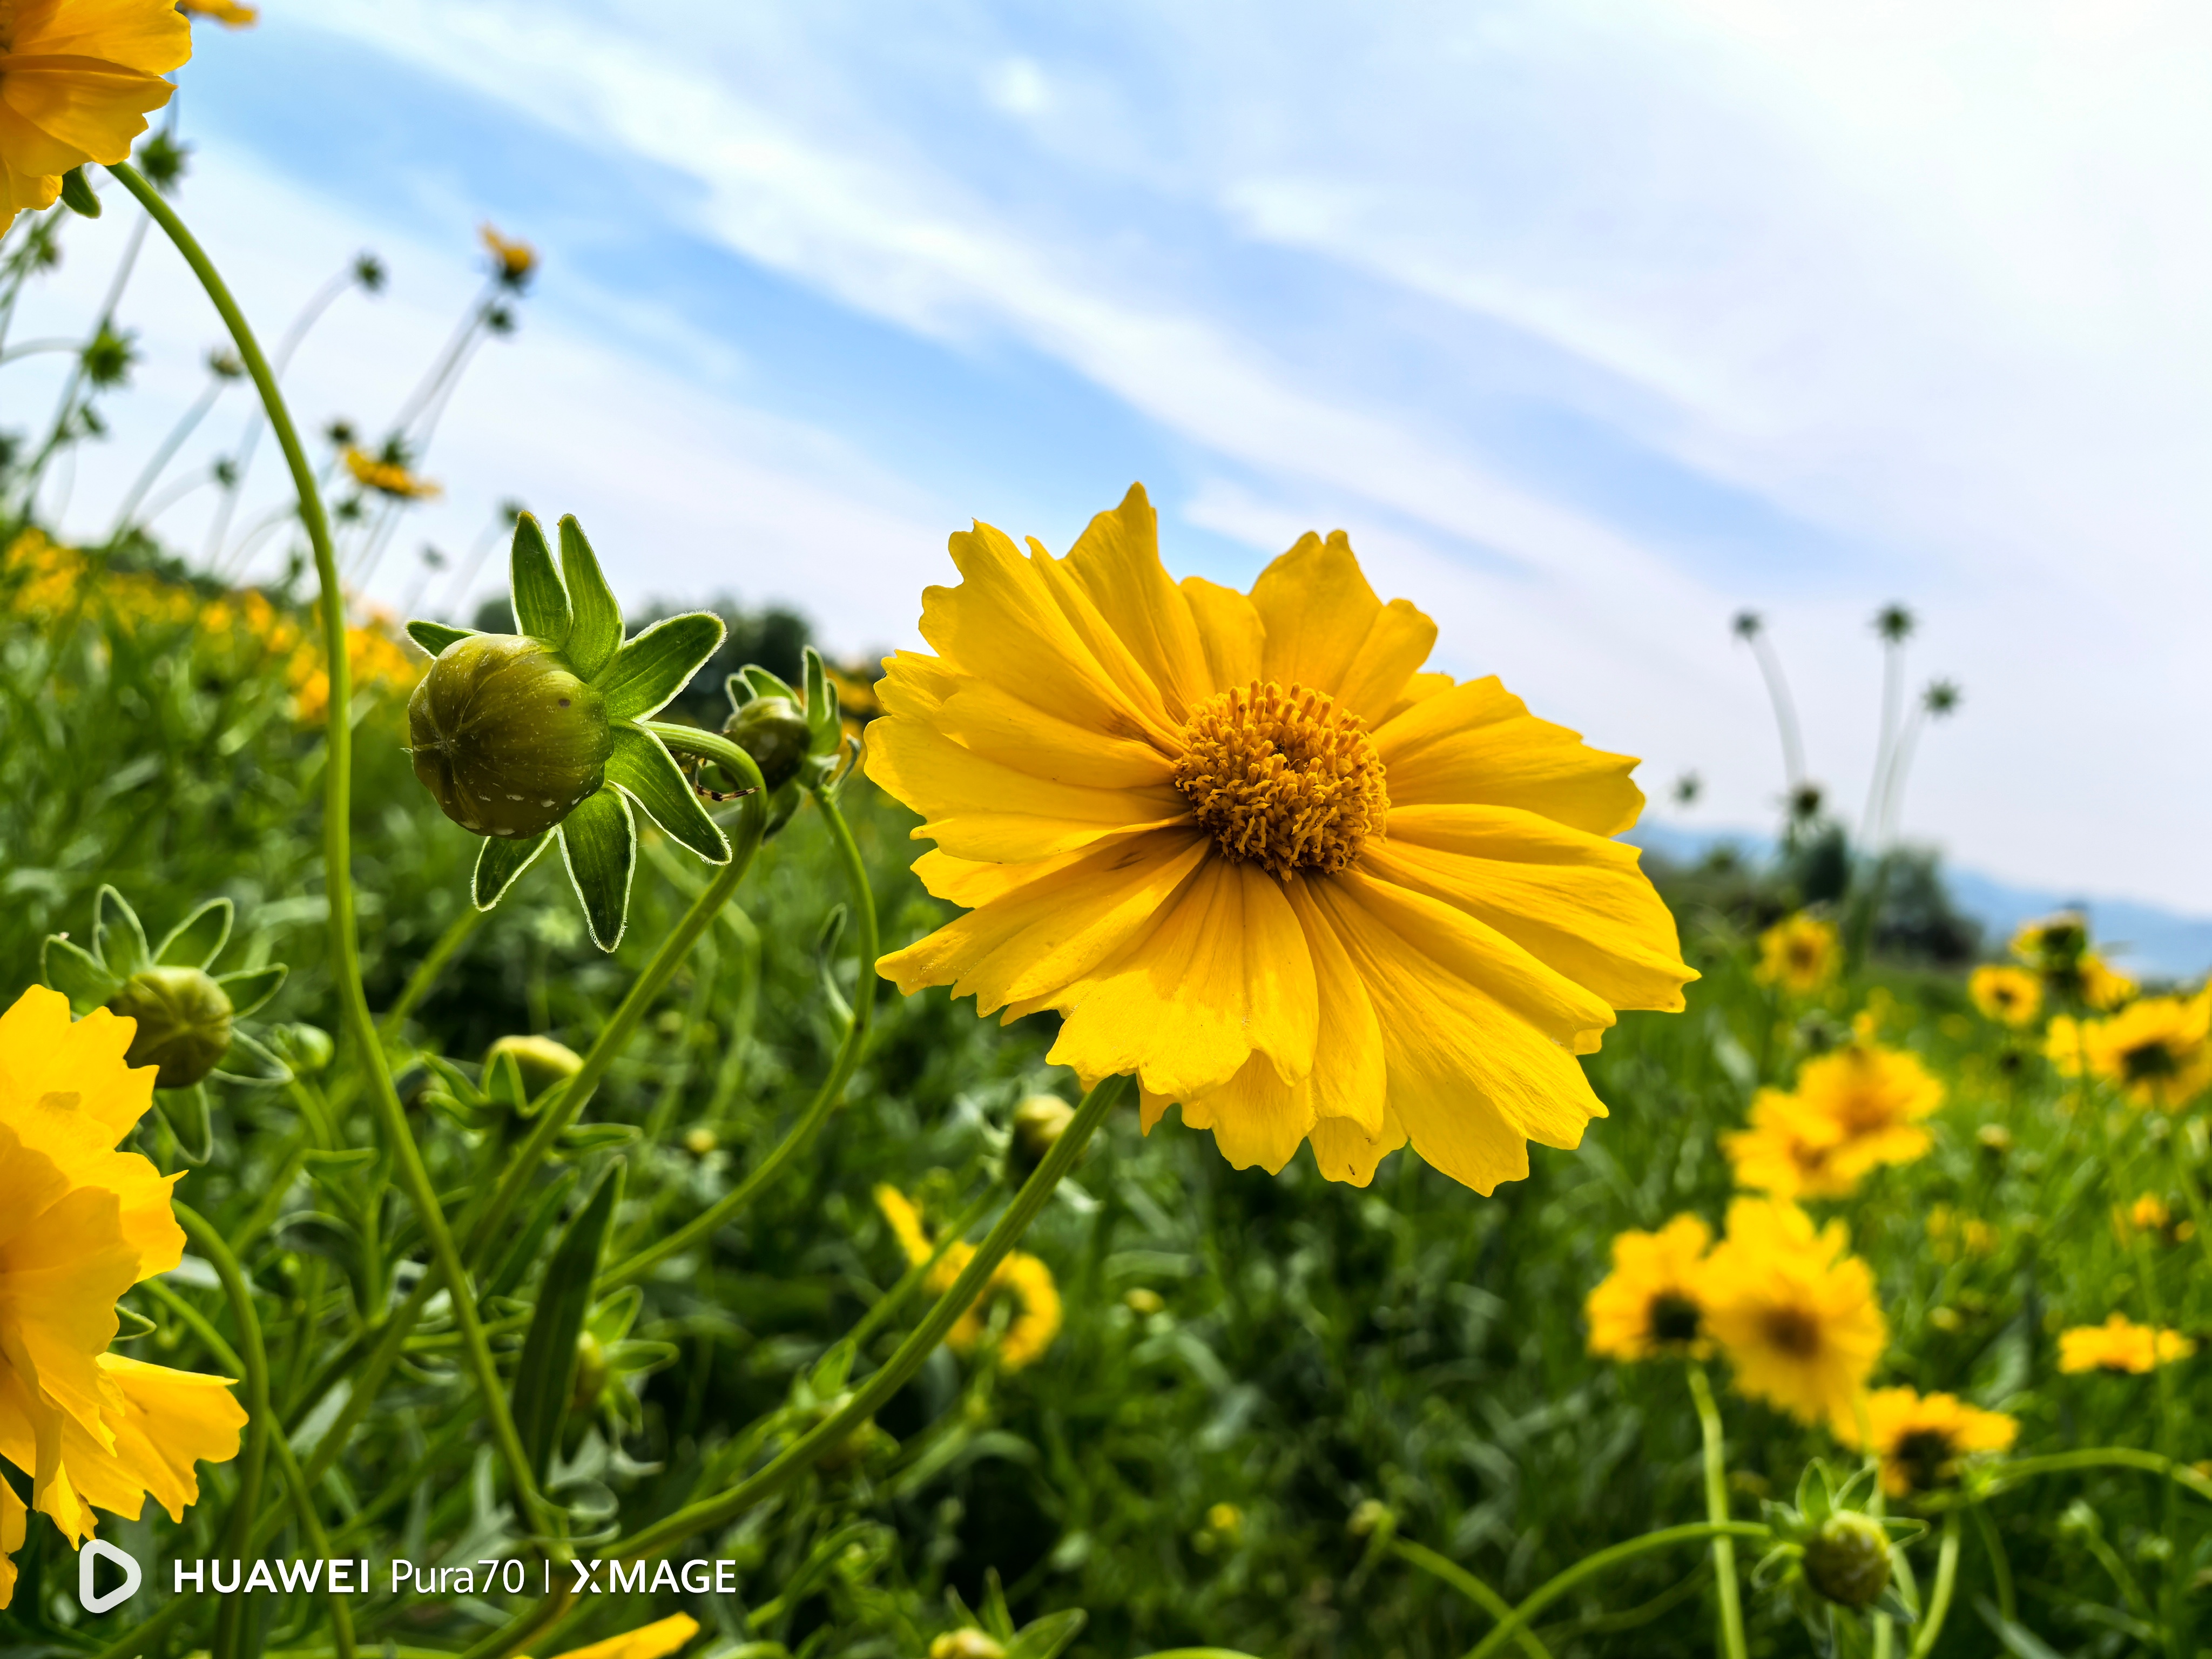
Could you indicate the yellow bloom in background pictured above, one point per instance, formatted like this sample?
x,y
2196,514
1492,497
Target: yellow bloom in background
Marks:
x,y
77,80
2157,1051
1876,1099
515,260
2102,987
1922,1439
80,1223
1022,1278
2011,995
2120,1344
654,1641
389,478
1652,1303
1800,953
228,13
1252,854
1788,1151
2150,1214
1794,1311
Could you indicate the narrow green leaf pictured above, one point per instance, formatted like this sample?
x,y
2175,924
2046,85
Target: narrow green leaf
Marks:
x,y
654,665
502,1083
823,719
190,1121
249,988
198,938
117,937
761,683
434,636
500,862
1044,1639
77,194
598,843
523,1250
541,603
248,1060
580,1138
597,632
545,1377
649,775
77,973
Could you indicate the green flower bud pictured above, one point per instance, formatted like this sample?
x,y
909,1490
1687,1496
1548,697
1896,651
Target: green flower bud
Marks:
x,y
184,1024
591,1372
307,1047
774,732
1848,1559
542,1061
506,736
1039,1121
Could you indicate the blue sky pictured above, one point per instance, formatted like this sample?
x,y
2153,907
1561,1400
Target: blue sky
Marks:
x,y
1592,323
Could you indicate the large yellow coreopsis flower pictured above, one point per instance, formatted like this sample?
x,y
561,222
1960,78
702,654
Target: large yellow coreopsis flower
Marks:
x,y
2157,1051
76,78
1922,1438
80,1223
1653,1302
1794,1311
1253,853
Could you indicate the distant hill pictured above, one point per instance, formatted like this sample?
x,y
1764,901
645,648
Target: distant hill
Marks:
x,y
2142,938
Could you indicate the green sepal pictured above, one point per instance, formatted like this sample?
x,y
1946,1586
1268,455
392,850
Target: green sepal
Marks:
x,y
523,1250
321,1163
77,194
117,937
648,774
458,1083
1045,1637
761,683
434,636
502,1084
77,973
266,1067
580,1138
598,843
500,862
595,633
191,1121
653,666
541,603
131,1325
251,988
198,938
823,717
545,1376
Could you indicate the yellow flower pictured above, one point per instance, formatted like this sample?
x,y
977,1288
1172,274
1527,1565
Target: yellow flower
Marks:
x,y
1789,1149
388,477
1022,1278
76,78
516,260
80,1223
2149,1213
2158,1051
379,663
2012,995
2104,988
653,1641
1250,853
1922,1439
1794,1313
228,13
2054,945
1875,1098
1800,953
2120,1344
1226,1520
1652,1303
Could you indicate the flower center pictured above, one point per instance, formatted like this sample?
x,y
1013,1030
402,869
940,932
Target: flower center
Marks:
x,y
1282,777
1926,1456
1675,1318
1793,1331
2149,1060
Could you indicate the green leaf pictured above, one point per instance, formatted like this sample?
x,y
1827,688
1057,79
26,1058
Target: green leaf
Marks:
x,y
434,636
654,665
247,1060
117,937
546,1377
524,1251
2019,1641
502,1084
598,843
77,194
823,718
500,862
198,938
580,1138
77,973
597,632
649,775
760,683
1044,1639
250,988
319,1162
541,603
186,1113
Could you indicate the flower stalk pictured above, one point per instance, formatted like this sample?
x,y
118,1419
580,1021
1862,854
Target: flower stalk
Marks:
x,y
1717,1510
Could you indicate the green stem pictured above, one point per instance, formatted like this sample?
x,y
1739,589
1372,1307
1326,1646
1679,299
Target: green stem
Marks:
x,y
1443,1567
337,876
254,1364
1559,1583
891,1300
861,1403
1939,1599
2000,1563
826,1099
427,971
2091,1457
1716,1510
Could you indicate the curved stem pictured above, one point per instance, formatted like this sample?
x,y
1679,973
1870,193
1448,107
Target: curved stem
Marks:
x,y
157,462
2091,1457
337,773
1559,1583
1443,1567
255,1357
35,348
1716,1510
1785,711
1939,1599
827,1098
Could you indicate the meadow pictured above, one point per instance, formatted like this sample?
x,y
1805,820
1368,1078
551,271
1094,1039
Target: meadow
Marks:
x,y
741,1218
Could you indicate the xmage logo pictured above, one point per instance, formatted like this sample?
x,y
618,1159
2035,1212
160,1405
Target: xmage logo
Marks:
x,y
88,1568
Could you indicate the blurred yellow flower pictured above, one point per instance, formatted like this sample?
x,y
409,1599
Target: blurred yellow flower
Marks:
x,y
1794,1311
2102,987
1950,1233
1877,1098
228,13
1922,1439
76,79
515,260
388,477
1252,854
80,1223
1651,1302
1788,1151
1021,1278
2120,1344
654,1641
1800,953
2157,1051
2150,1214
2012,995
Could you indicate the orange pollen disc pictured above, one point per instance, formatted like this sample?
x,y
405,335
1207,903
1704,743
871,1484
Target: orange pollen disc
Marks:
x,y
1282,777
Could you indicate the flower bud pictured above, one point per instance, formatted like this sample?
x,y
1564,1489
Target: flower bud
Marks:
x,y
542,1061
506,736
966,1644
1039,1122
184,1024
591,1372
775,734
1848,1559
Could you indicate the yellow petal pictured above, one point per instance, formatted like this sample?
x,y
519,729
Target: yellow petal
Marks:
x,y
13,1528
81,110
1497,759
1344,1152
1236,639
1350,1079
1255,1116
1117,560
61,1277
170,1422
147,35
653,1641
988,721
43,1051
1327,630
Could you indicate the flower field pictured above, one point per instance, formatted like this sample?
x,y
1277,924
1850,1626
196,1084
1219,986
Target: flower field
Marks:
x,y
1158,1125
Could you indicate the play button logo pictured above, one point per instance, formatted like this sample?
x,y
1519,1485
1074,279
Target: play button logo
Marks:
x,y
88,1572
